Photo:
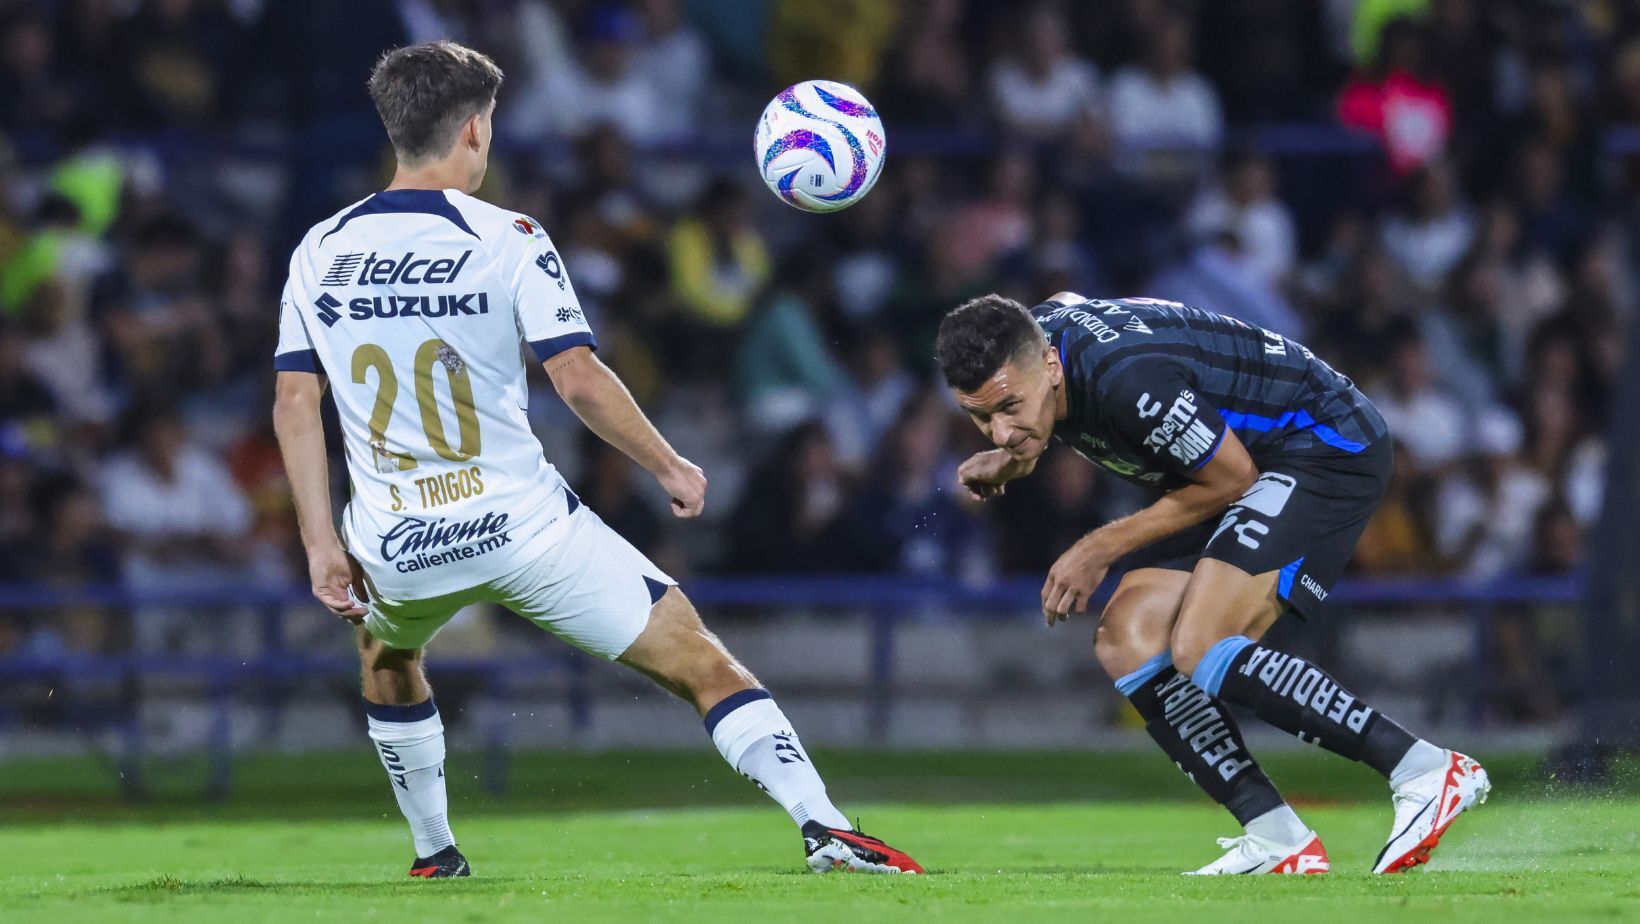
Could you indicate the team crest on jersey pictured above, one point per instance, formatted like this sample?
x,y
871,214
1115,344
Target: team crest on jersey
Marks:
x,y
528,226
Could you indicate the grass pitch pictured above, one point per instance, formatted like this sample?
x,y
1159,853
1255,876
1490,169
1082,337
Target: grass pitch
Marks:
x,y
321,840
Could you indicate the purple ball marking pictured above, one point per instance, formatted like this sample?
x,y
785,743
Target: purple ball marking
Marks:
x,y
785,186
799,139
857,177
845,106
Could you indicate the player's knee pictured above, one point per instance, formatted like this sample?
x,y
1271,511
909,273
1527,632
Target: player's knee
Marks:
x,y
1119,649
1130,633
1189,645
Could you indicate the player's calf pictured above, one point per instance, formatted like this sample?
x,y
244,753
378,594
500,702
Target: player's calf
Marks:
x,y
1192,728
408,733
752,734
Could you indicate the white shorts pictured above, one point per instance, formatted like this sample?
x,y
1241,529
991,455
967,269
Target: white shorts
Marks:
x,y
591,589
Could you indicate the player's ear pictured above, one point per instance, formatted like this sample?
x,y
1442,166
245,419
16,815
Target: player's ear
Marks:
x,y
1056,371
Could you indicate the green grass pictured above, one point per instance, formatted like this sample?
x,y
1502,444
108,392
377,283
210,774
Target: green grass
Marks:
x,y
592,838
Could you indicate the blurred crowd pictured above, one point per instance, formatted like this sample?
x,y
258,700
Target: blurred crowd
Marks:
x,y
1420,190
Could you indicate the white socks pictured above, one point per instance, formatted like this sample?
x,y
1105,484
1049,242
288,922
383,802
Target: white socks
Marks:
x,y
410,741
757,740
1422,758
1281,825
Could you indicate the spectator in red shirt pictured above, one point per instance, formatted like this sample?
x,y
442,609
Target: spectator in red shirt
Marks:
x,y
1406,109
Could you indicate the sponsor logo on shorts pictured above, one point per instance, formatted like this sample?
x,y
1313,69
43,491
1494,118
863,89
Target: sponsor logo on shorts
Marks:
x,y
415,543
1311,586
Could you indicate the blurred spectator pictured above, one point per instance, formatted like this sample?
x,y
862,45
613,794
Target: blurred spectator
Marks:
x,y
25,401
1435,230
909,510
1550,220
1464,337
1564,123
1397,539
719,262
607,484
1163,102
1487,513
1398,102
673,58
64,352
38,97
1557,540
999,221
1218,275
20,527
1040,89
870,397
1245,205
57,249
179,66
1427,421
796,512
180,517
840,40
783,370
578,85
927,79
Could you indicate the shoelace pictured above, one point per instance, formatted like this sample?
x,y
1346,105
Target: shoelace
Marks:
x,y
1233,843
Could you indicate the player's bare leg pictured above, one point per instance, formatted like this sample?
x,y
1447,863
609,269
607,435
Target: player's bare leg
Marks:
x,y
409,737
1195,729
678,652
1225,611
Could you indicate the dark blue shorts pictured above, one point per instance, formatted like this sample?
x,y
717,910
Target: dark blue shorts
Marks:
x,y
1302,518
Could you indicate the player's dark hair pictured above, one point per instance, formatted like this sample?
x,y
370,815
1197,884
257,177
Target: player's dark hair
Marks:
x,y
979,336
425,92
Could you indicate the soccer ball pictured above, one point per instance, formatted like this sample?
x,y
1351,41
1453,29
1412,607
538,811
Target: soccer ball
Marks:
x,y
820,146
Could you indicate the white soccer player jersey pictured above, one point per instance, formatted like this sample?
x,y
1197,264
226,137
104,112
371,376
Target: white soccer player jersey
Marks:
x,y
416,305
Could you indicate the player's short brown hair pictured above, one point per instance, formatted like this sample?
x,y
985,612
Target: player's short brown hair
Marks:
x,y
425,92
981,335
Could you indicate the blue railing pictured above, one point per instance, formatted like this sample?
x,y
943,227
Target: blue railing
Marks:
x,y
887,601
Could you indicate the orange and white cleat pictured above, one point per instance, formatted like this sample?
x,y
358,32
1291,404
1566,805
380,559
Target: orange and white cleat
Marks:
x,y
1250,855
836,850
1426,806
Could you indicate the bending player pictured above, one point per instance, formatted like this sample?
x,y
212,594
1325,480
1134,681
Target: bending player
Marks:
x,y
1271,464
416,301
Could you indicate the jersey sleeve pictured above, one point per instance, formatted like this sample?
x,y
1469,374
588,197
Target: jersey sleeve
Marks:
x,y
550,318
295,352
1154,405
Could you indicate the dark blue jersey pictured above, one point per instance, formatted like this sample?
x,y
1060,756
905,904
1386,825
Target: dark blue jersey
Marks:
x,y
1151,386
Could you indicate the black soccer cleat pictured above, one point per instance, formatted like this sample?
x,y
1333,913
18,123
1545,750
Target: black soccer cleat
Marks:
x,y
847,851
445,864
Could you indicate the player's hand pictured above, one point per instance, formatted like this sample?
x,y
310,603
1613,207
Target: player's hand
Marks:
x,y
686,484
985,474
333,571
1073,579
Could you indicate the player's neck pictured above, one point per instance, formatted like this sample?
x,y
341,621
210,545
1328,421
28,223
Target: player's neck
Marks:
x,y
1061,401
440,176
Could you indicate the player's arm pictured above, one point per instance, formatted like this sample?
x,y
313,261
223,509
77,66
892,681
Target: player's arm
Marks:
x,y
601,400
301,434
1157,407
